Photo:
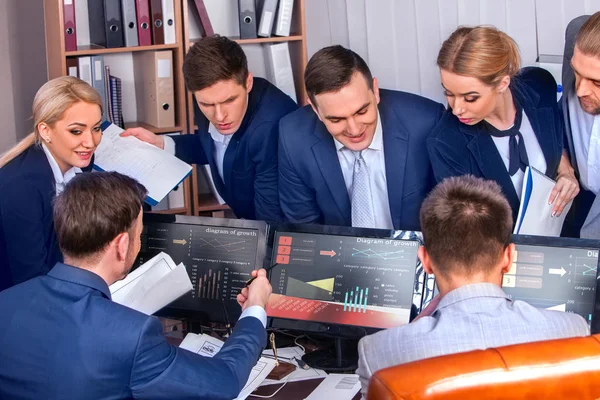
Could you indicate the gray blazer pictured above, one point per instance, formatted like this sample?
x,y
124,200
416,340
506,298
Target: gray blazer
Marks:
x,y
472,317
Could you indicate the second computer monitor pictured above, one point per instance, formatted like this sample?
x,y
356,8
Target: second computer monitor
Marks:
x,y
344,279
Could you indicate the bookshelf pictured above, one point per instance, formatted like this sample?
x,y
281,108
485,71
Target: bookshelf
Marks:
x,y
206,203
56,57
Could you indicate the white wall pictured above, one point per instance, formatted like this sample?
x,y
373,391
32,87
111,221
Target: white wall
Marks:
x,y
400,39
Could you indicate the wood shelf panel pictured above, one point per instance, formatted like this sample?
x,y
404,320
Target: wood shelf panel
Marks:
x,y
182,210
273,39
98,51
207,202
153,129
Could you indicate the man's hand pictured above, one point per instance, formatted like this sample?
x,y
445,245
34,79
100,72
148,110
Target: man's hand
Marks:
x,y
257,294
145,136
566,188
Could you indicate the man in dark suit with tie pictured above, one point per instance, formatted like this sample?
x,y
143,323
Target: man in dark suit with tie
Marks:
x,y
237,117
356,156
64,338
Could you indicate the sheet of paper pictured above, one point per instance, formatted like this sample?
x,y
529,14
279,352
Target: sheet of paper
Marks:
x,y
336,386
287,354
535,214
208,346
153,285
154,168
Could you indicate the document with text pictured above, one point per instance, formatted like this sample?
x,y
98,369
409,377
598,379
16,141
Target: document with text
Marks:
x,y
154,168
153,285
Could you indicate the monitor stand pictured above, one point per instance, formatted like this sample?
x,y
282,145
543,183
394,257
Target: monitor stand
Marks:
x,y
338,358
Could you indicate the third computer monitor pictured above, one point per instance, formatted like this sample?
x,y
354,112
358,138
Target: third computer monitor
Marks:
x,y
344,279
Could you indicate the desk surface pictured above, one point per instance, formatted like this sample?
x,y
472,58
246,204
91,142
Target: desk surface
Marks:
x,y
292,391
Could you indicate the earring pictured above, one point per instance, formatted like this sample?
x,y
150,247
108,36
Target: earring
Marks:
x,y
47,139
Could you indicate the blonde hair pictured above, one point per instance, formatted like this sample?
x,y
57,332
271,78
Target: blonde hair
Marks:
x,y
482,52
588,37
49,105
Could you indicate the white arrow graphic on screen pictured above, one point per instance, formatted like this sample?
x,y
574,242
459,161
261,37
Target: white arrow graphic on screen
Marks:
x,y
557,271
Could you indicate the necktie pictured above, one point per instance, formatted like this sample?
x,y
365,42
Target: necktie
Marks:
x,y
362,204
517,152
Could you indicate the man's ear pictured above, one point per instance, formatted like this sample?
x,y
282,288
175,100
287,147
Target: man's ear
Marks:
x,y
121,243
376,89
425,260
508,256
314,108
249,82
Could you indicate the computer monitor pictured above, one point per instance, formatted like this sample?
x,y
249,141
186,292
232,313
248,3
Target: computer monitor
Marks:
x,y
556,274
219,255
339,276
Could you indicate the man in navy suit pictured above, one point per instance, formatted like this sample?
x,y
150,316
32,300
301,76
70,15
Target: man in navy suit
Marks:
x,y
63,337
237,117
357,155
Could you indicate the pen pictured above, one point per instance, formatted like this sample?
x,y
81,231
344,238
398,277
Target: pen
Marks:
x,y
266,269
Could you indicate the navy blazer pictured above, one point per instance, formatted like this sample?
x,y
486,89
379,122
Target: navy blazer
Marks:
x,y
28,244
250,164
458,149
311,184
64,338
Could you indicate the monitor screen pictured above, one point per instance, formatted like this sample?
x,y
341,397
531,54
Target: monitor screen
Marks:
x,y
557,275
219,255
345,280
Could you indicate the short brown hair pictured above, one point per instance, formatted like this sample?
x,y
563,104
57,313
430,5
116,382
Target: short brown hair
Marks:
x,y
214,59
332,68
588,37
482,52
466,223
93,209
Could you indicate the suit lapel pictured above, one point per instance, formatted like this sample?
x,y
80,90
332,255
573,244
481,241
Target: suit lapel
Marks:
x,y
490,163
327,160
395,148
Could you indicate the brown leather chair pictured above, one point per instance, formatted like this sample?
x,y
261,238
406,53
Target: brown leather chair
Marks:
x,y
554,369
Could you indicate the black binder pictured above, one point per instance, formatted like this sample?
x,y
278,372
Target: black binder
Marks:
x,y
97,22
247,10
113,23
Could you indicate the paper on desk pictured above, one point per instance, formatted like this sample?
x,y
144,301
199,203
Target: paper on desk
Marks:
x,y
535,214
153,285
336,386
154,168
287,354
208,346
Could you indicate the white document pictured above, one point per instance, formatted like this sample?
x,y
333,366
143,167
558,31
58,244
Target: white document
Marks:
x,y
152,286
154,168
336,386
208,346
288,354
535,214
279,68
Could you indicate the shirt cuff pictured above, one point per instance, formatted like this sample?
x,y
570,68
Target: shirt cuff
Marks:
x,y
256,312
169,145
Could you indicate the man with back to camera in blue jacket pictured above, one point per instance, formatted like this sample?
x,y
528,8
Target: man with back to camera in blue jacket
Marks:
x,y
237,117
356,156
64,338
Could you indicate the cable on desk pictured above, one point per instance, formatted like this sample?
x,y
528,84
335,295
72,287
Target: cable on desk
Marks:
x,y
298,344
272,394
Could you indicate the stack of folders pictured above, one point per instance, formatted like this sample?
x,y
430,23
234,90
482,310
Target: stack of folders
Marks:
x,y
265,18
118,23
116,99
279,68
153,285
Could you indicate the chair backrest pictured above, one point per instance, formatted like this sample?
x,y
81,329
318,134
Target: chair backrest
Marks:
x,y
553,369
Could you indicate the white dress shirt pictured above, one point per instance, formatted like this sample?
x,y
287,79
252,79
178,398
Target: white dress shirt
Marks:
x,y
220,143
60,179
534,152
375,160
256,312
585,129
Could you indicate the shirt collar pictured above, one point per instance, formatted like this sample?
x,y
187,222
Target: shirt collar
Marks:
x,y
217,136
60,179
376,143
472,291
80,276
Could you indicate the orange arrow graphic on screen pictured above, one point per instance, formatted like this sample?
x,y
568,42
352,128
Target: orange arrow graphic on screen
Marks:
x,y
329,253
